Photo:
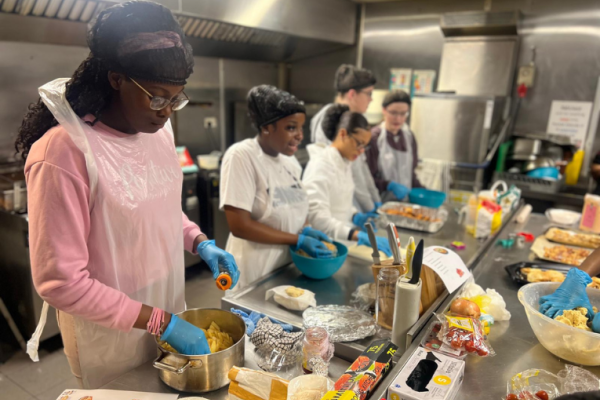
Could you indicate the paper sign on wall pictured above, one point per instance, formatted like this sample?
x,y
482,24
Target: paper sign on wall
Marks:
x,y
570,118
448,265
401,78
422,81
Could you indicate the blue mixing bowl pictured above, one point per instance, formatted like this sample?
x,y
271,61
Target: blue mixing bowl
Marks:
x,y
551,173
426,197
320,268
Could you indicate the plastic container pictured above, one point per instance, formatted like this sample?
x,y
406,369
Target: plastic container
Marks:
x,y
565,342
544,173
320,268
590,216
563,217
317,351
426,197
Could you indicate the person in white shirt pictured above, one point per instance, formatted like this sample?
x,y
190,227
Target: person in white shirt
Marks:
x,y
328,177
261,192
354,88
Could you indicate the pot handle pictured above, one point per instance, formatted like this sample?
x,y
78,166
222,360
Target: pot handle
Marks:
x,y
159,364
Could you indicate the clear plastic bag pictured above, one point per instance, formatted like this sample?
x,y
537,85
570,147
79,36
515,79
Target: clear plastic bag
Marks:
x,y
364,298
576,380
533,384
464,333
309,387
283,298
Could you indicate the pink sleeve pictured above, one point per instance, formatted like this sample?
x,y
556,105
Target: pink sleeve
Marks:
x,y
59,227
190,233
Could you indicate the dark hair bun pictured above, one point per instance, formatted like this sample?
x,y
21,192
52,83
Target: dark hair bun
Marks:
x,y
332,118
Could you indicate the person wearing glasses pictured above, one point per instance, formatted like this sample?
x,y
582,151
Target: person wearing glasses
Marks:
x,y
106,228
264,200
392,155
328,177
354,88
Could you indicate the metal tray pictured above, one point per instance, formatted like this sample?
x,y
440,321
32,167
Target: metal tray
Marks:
x,y
541,243
411,223
514,270
573,232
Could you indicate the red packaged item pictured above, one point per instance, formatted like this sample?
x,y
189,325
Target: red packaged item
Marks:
x,y
533,384
464,333
365,372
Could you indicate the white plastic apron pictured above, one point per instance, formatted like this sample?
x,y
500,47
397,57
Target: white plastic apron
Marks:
x,y
396,165
140,250
286,210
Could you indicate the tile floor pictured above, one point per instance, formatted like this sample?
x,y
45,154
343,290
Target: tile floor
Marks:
x,y
21,379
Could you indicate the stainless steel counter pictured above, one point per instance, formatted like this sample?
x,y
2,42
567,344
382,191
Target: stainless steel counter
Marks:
x,y
339,288
145,378
514,342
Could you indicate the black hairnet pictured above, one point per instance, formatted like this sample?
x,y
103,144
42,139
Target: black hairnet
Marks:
x,y
143,40
350,77
268,104
338,117
396,96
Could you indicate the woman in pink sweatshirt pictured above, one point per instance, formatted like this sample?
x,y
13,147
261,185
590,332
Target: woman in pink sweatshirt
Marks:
x,y
107,231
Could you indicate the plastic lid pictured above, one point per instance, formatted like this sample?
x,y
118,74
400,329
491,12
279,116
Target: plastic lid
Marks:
x,y
224,281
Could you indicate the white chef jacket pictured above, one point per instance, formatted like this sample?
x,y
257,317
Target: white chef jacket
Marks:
x,y
366,193
329,184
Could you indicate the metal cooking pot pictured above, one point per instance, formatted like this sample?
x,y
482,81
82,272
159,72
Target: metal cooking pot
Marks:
x,y
199,374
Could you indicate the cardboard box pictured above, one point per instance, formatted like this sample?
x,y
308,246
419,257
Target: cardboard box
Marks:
x,y
428,376
365,373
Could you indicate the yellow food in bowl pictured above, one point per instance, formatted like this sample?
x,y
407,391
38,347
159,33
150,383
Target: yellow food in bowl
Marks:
x,y
330,246
576,318
217,339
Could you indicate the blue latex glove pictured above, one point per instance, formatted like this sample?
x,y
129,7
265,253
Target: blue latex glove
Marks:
x,y
596,323
313,247
218,259
383,244
360,219
377,205
185,337
398,189
569,295
252,320
316,234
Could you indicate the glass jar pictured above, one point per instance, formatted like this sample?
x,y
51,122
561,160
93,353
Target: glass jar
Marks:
x,y
317,351
386,297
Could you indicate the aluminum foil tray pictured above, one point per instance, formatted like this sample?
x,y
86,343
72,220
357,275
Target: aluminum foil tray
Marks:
x,y
344,323
438,214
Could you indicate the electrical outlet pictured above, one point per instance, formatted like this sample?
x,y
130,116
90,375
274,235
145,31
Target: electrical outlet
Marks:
x,y
526,75
210,122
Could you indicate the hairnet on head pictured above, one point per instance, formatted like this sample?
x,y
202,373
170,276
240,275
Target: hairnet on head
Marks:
x,y
350,77
143,40
396,96
268,104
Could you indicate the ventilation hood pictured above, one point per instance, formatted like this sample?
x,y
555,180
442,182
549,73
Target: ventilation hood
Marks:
x,y
268,30
480,23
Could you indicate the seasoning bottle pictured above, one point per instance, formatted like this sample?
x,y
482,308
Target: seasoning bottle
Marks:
x,y
316,351
386,297
223,280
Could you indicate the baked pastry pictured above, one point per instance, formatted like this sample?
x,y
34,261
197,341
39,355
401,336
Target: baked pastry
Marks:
x,y
576,239
294,291
566,255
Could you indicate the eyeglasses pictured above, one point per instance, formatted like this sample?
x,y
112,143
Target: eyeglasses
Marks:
x,y
360,145
368,93
158,103
396,114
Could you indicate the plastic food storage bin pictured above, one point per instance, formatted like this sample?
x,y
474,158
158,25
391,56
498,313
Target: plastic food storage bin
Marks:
x,y
565,342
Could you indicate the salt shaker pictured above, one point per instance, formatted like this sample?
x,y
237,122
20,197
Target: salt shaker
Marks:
x,y
385,297
317,351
